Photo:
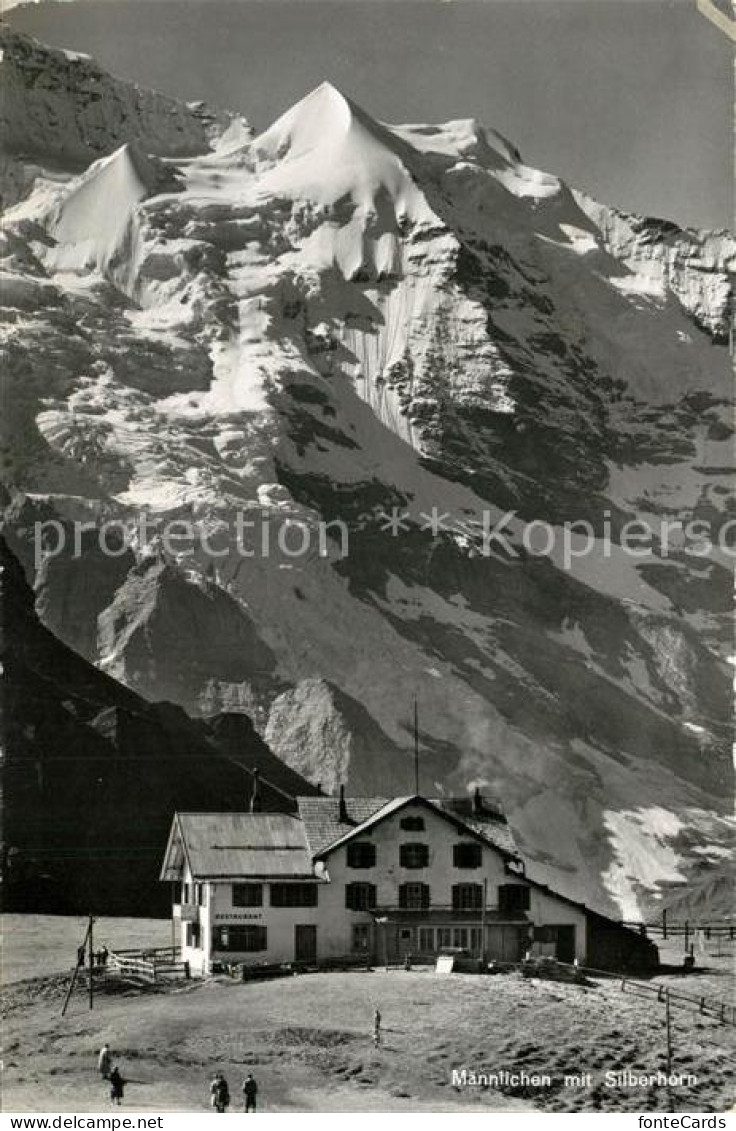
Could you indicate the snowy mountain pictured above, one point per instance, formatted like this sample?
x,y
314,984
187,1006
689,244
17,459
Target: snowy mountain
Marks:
x,y
341,320
60,111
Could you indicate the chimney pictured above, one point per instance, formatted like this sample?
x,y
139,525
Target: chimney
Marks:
x,y
477,802
343,806
255,797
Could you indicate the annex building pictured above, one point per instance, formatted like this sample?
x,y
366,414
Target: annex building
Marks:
x,y
375,878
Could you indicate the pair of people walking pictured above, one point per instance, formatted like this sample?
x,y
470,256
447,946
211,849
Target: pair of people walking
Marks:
x,y
220,1093
111,1073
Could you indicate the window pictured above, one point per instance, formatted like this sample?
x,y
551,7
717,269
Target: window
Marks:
x,y
185,893
412,824
247,895
200,895
467,855
476,940
361,854
293,895
460,937
426,940
360,897
513,897
444,937
413,855
467,897
193,935
245,938
361,936
414,897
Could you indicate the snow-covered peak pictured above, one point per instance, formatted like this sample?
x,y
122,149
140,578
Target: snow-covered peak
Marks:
x,y
326,148
342,318
461,138
319,120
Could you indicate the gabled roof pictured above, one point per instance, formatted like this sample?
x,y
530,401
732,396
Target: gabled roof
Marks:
x,y
326,831
379,815
238,845
321,816
488,822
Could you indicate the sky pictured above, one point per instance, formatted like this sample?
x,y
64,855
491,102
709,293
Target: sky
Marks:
x,y
630,100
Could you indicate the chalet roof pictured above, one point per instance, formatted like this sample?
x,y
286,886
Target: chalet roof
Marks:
x,y
238,845
488,822
321,817
325,829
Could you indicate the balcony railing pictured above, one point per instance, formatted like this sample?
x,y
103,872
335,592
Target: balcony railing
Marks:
x,y
434,908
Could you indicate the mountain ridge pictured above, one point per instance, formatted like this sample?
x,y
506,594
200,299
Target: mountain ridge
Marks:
x,y
428,326
92,773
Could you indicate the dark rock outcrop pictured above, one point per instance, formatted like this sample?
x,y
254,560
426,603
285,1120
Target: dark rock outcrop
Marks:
x,y
92,773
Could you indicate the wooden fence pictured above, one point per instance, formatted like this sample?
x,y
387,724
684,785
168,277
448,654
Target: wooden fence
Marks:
x,y
675,928
711,1007
722,1011
147,965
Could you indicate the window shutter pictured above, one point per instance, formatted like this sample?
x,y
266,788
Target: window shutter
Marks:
x,y
467,897
513,897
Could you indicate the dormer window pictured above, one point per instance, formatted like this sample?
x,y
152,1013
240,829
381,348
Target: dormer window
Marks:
x,y
361,854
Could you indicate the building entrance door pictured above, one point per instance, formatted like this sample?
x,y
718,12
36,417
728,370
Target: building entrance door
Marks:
x,y
305,942
565,948
505,942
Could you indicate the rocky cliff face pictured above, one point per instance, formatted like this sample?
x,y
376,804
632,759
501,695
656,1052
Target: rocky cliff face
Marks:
x,y
92,774
60,110
696,266
406,330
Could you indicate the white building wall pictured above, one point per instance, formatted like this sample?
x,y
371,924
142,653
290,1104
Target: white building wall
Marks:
x,y
280,922
194,955
546,910
440,874
334,921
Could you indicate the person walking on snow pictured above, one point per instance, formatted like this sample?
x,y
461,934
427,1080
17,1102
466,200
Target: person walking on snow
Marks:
x,y
104,1061
377,1028
250,1091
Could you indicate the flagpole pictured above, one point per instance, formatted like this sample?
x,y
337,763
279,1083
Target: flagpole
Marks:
x,y
416,745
